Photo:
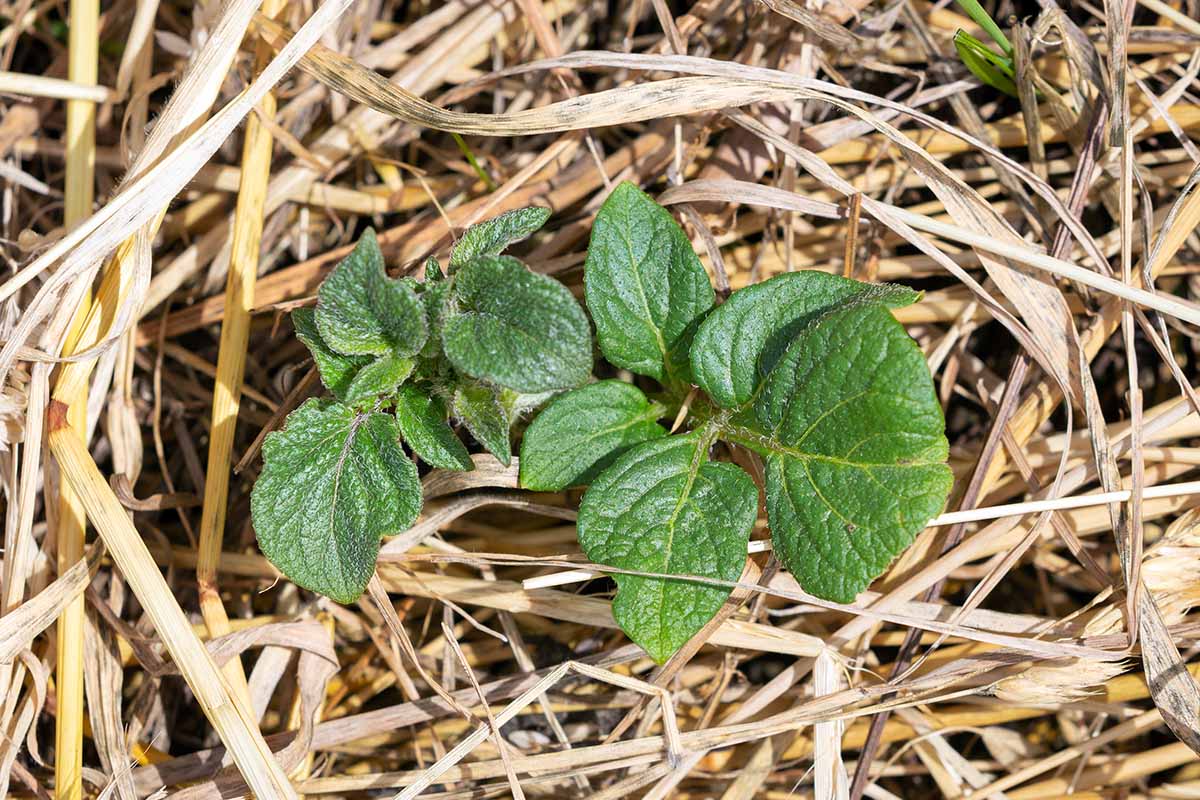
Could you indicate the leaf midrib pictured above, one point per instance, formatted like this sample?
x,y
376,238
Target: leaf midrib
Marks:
x,y
641,289
766,443
651,414
358,421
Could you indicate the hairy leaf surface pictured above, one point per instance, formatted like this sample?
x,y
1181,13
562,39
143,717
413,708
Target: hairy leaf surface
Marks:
x,y
422,420
491,237
739,343
663,507
481,411
515,328
336,370
361,311
855,449
433,296
333,482
582,431
382,376
433,271
645,287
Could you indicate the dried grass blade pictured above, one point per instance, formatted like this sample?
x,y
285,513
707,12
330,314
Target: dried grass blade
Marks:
x,y
104,679
1172,686
82,67
230,719
231,359
637,103
142,199
20,627
830,780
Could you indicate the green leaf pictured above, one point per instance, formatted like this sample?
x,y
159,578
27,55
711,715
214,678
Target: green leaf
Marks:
x,y
336,370
433,296
381,376
645,287
433,271
361,311
583,431
480,172
663,507
333,482
518,404
422,420
491,237
995,71
983,19
515,328
739,343
854,445
480,410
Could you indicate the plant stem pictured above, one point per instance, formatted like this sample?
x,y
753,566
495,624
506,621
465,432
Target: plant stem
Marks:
x,y
231,360
82,68
470,156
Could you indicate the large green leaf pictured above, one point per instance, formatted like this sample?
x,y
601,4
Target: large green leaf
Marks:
x,y
515,328
336,370
422,419
481,411
491,237
645,287
361,311
739,343
855,449
663,507
333,482
582,431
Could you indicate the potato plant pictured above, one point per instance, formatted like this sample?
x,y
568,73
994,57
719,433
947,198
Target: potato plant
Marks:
x,y
808,371
480,344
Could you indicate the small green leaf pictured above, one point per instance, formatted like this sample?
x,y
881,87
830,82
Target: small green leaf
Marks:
x,y
433,271
645,287
515,328
422,419
480,410
854,444
361,311
518,404
983,19
381,376
662,507
583,431
333,482
491,237
739,343
336,370
434,296
994,70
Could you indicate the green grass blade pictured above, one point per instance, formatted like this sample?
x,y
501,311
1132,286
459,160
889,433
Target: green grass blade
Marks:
x,y
985,21
470,156
962,40
994,70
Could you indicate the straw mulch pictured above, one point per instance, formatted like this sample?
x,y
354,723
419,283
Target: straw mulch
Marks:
x,y
175,177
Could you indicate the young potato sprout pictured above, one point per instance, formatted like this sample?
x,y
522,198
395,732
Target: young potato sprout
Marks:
x,y
808,371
